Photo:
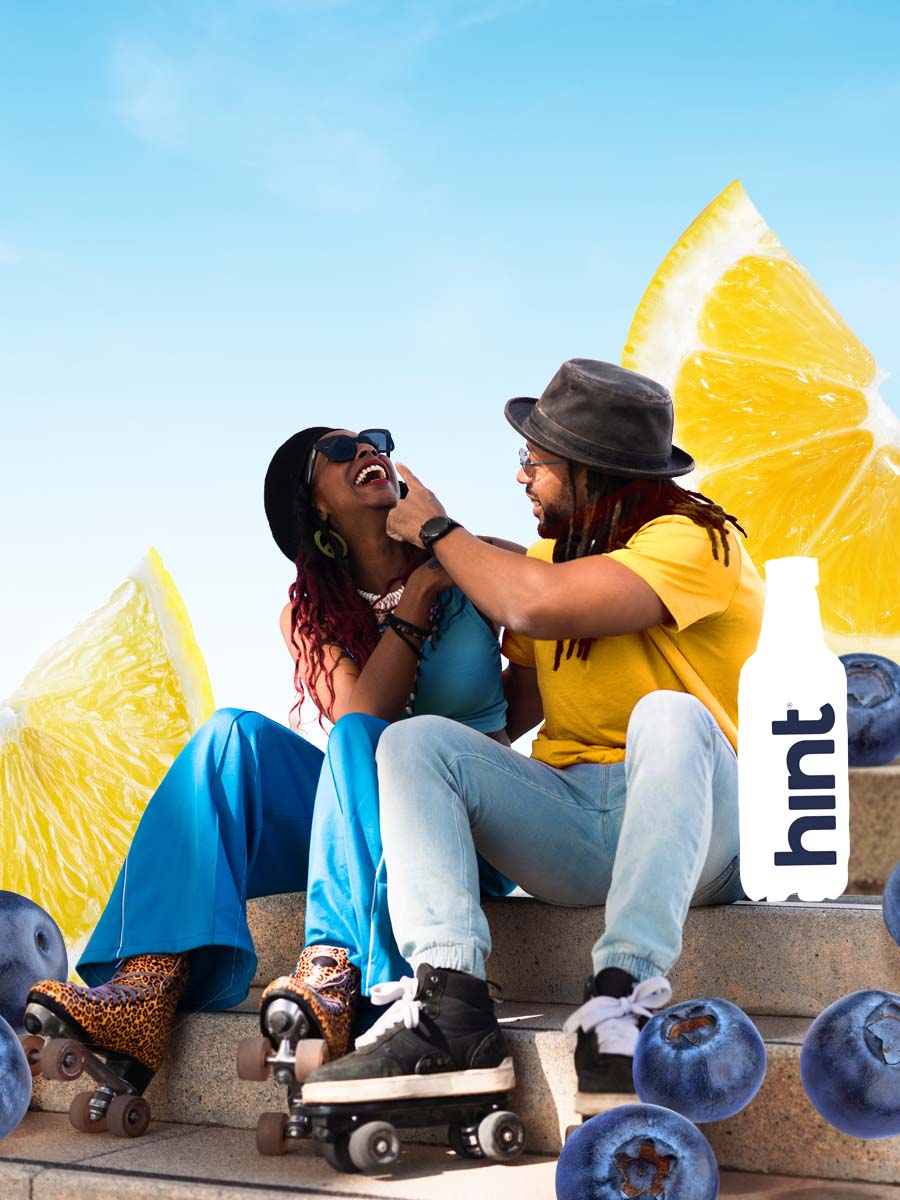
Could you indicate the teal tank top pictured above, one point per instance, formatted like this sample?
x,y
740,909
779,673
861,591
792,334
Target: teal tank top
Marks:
x,y
460,675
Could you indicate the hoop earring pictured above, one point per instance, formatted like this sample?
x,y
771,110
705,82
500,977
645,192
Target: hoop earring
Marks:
x,y
328,549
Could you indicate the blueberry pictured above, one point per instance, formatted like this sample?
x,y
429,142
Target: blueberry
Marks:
x,y
850,1064
640,1151
890,904
15,1080
704,1059
31,948
873,709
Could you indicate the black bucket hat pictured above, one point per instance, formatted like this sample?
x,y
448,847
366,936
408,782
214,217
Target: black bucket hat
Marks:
x,y
284,493
603,416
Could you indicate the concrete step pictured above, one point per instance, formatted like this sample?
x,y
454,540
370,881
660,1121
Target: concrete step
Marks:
x,y
44,1159
874,826
779,1131
788,959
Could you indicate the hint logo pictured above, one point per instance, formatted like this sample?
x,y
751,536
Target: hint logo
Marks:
x,y
813,788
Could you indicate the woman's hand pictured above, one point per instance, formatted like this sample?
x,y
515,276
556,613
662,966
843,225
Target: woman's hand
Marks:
x,y
429,579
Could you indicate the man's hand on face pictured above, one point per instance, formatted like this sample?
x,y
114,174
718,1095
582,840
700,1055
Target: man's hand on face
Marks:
x,y
408,516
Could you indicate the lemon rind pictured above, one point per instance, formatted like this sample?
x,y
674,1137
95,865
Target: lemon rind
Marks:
x,y
178,636
666,320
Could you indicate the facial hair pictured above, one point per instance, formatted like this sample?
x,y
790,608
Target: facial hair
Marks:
x,y
555,517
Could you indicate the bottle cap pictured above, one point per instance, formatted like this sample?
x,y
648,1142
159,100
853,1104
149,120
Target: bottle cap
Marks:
x,y
796,571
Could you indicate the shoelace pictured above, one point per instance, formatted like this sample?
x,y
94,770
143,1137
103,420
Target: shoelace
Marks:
x,y
312,978
405,1009
614,1017
143,986
322,991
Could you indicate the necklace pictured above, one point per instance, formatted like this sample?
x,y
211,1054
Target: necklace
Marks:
x,y
391,600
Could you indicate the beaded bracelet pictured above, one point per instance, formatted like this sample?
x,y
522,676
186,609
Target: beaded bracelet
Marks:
x,y
402,627
403,638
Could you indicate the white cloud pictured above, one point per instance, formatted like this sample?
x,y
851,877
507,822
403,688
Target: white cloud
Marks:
x,y
209,106
152,94
320,120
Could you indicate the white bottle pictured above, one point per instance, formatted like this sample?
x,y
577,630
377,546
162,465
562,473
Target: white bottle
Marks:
x,y
793,780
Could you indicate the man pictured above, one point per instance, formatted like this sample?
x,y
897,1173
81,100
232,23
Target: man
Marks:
x,y
632,619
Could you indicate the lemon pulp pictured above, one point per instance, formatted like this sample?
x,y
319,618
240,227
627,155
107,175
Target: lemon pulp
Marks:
x,y
85,741
778,402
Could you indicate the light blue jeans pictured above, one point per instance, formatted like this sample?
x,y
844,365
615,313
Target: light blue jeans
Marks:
x,y
648,838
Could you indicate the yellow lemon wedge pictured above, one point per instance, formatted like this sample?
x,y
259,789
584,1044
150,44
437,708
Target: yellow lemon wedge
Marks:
x,y
85,741
778,402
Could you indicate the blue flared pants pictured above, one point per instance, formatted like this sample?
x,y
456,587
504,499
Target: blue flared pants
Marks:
x,y
249,808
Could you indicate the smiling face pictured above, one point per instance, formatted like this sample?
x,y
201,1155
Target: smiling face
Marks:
x,y
550,490
341,490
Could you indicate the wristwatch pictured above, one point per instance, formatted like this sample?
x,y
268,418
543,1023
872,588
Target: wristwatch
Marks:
x,y
435,528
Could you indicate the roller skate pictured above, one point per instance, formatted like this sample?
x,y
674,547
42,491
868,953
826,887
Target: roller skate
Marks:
x,y
117,1032
436,1057
305,1020
616,1008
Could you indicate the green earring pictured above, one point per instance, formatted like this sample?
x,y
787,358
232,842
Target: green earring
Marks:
x,y
326,548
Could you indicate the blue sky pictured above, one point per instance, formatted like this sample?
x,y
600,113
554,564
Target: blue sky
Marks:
x,y
220,222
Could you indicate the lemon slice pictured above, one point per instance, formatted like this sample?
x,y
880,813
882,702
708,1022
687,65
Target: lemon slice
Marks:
x,y
778,402
85,741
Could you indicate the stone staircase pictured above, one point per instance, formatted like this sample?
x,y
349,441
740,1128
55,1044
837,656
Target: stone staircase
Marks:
x,y
782,963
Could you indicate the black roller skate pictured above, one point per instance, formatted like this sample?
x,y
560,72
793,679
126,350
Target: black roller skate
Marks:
x,y
436,1057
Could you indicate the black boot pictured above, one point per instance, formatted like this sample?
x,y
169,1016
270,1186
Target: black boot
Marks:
x,y
607,1035
439,1038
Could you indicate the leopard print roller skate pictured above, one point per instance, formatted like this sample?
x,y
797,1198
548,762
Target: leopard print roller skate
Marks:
x,y
306,1019
117,1032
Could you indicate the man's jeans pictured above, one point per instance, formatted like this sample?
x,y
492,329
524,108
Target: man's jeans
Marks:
x,y
648,837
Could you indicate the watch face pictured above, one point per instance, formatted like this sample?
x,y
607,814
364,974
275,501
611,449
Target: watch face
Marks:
x,y
434,528
434,525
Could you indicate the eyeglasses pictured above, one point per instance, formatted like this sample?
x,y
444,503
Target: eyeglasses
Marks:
x,y
528,464
342,447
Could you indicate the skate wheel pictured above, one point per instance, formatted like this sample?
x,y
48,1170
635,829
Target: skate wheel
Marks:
x,y
128,1116
374,1146
62,1058
32,1046
270,1137
80,1115
337,1155
501,1136
463,1140
251,1059
309,1055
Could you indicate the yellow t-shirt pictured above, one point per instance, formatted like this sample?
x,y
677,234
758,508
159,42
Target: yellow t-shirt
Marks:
x,y
716,616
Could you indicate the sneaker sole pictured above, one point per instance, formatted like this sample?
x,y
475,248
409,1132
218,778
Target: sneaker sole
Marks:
x,y
589,1104
402,1087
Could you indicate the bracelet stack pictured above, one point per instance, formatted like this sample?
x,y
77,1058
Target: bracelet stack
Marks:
x,y
406,630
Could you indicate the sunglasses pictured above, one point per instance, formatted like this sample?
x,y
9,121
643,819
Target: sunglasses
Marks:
x,y
342,447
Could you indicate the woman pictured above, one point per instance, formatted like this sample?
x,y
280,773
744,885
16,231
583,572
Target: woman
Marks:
x,y
376,633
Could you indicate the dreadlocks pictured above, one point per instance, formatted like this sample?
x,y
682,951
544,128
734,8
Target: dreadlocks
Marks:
x,y
616,508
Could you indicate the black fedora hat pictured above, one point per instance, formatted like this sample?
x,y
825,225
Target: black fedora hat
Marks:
x,y
606,417
284,494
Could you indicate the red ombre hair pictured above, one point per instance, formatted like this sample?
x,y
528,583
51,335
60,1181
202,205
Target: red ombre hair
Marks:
x,y
326,608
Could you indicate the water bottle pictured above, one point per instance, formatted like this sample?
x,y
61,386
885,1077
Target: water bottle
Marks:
x,y
793,781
